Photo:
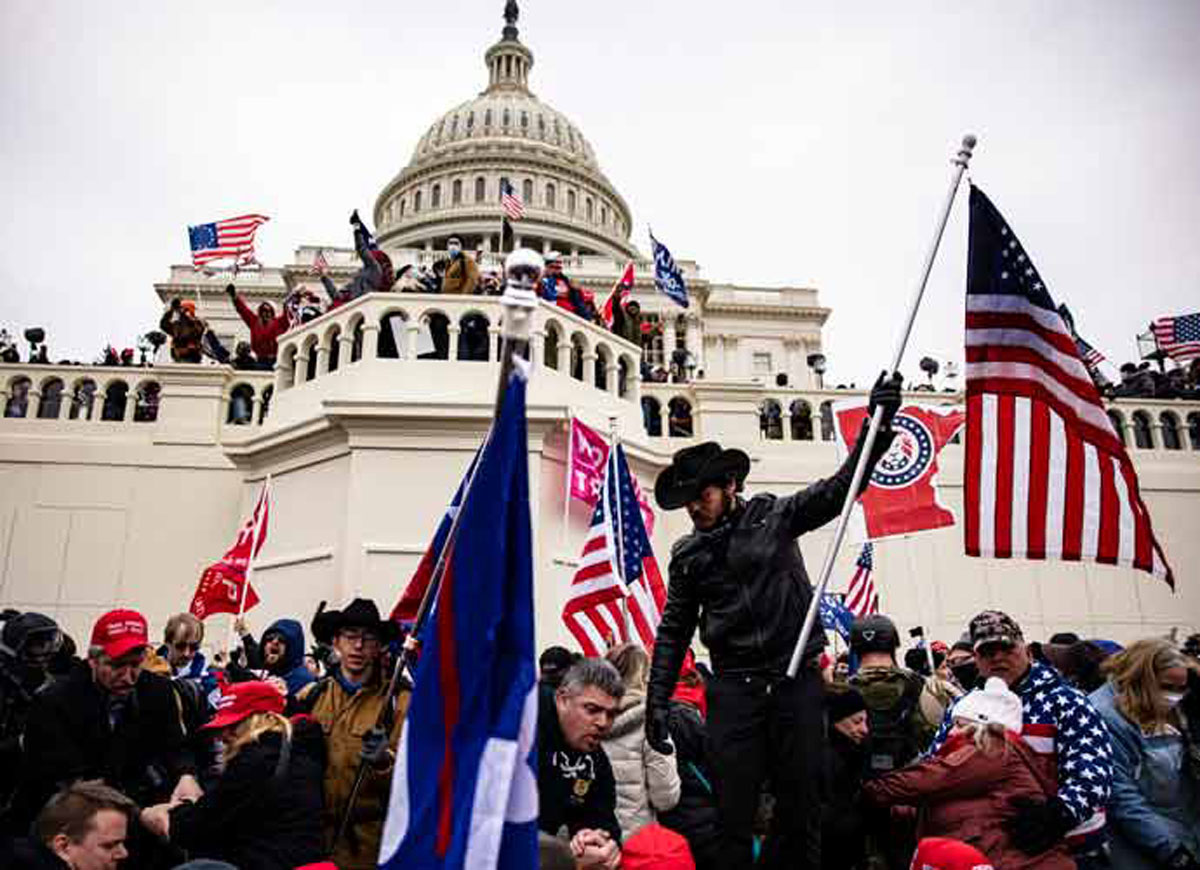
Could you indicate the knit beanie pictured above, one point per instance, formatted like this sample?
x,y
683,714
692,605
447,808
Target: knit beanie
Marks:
x,y
844,703
993,704
656,848
941,853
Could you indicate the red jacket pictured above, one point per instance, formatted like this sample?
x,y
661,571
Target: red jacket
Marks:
x,y
264,337
964,794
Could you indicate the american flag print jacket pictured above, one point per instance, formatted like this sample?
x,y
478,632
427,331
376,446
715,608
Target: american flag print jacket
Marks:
x,y
1062,727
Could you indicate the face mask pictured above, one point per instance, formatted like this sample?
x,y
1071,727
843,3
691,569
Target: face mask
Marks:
x,y
454,250
966,674
1173,698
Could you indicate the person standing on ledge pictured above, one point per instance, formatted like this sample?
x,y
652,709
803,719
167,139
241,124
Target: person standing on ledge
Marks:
x,y
740,576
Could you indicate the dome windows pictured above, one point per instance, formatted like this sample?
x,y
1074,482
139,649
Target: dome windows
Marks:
x,y
527,192
550,196
542,126
435,196
470,122
524,120
487,118
416,202
604,215
456,191
590,209
507,118
480,189
402,204
571,203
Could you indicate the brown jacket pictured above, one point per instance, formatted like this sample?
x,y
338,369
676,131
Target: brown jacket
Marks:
x,y
461,276
964,794
345,718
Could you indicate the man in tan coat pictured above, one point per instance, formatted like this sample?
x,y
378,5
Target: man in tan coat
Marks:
x,y
347,704
462,273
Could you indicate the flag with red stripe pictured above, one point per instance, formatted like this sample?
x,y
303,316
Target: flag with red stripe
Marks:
x,y
617,295
223,583
230,239
617,594
1178,337
861,597
1046,476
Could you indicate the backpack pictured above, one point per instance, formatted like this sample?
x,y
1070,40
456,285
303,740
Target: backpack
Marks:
x,y
891,705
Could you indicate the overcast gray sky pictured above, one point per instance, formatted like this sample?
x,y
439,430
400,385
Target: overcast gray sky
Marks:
x,y
773,141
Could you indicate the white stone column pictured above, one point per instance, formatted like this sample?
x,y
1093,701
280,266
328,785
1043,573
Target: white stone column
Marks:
x,y
346,348
494,344
610,377
564,355
589,367
300,369
64,405
256,409
322,353
370,339
454,330
732,369
130,405
668,339
537,348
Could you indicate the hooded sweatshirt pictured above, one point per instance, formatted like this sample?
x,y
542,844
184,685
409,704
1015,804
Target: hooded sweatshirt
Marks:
x,y
291,667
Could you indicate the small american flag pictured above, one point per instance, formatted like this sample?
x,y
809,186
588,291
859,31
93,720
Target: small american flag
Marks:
x,y
617,594
861,598
320,265
1090,356
1178,337
511,201
1045,475
231,239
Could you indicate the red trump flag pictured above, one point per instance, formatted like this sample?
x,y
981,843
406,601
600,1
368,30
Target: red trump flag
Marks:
x,y
223,584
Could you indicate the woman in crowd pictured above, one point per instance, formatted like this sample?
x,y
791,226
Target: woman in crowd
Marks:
x,y
1154,812
647,781
844,828
264,811
968,789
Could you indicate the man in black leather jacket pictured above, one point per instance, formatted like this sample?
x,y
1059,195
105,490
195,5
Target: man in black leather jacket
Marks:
x,y
740,576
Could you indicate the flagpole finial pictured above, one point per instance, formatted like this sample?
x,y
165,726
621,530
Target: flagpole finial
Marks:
x,y
966,151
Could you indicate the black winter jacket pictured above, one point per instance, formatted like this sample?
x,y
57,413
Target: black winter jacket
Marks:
x,y
745,584
844,829
68,737
259,815
695,816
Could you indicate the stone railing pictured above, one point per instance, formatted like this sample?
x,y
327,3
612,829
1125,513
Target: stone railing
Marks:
x,y
750,410
434,327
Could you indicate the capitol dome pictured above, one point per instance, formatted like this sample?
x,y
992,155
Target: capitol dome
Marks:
x,y
451,185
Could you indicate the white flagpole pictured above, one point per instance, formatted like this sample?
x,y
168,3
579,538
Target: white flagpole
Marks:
x,y
263,502
567,478
613,440
960,161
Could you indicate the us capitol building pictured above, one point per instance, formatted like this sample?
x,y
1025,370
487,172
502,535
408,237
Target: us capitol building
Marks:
x,y
118,486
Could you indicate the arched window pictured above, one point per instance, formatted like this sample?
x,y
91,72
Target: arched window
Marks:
x,y
623,369
403,202
356,349
1143,439
550,351
470,122
17,404
527,192
826,421
577,358
557,132
604,215
241,405
601,371
679,423
438,325
417,202
1170,431
456,192
82,399
1118,424
310,349
454,126
651,416
390,342
550,203
487,118
571,203
770,420
524,120
473,337
435,196
1193,421
800,413
50,404
115,398
590,210
266,403
480,189
507,118
335,349
145,402
542,126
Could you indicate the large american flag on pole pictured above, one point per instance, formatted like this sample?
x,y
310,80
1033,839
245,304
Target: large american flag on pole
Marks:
x,y
1178,337
1046,476
510,200
617,594
230,239
861,597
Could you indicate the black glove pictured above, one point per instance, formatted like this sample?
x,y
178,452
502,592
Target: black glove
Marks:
x,y
886,394
231,290
1038,825
1182,859
375,748
658,734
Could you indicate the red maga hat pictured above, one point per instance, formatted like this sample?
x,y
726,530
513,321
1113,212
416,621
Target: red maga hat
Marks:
x,y
941,853
240,700
118,632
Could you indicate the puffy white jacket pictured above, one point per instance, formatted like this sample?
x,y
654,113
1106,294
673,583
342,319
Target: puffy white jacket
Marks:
x,y
647,781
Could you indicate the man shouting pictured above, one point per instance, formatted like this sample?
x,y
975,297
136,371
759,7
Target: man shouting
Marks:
x,y
740,575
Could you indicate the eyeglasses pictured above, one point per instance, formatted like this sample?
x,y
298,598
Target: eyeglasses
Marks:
x,y
360,638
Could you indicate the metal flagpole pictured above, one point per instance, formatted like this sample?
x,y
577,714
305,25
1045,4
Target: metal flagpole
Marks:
x,y
960,161
262,500
613,440
567,478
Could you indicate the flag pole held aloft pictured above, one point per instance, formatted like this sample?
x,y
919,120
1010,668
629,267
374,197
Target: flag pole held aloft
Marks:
x,y
960,161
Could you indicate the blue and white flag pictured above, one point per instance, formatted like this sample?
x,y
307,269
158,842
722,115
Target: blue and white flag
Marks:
x,y
667,277
464,791
835,616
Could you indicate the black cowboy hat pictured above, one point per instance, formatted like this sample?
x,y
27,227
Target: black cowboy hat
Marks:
x,y
359,613
694,468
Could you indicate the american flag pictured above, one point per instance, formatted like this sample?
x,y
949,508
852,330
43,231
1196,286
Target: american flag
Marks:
x,y
320,265
231,239
511,201
1090,356
1178,337
617,594
861,598
1045,475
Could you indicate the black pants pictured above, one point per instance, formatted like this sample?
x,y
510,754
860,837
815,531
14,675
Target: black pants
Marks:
x,y
769,734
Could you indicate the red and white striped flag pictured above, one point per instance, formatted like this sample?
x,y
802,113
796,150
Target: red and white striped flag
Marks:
x,y
861,597
320,265
1178,337
230,239
511,201
1046,476
617,594
617,295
